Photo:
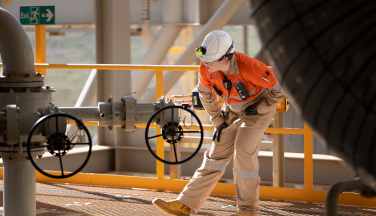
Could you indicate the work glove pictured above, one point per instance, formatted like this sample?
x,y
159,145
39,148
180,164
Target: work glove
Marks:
x,y
218,130
252,109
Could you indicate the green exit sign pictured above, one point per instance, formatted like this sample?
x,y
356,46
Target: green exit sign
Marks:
x,y
37,15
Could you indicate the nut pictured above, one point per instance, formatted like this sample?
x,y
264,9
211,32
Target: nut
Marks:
x,y
48,87
39,74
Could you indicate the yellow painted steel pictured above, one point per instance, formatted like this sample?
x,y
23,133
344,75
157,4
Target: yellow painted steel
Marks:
x,y
40,47
117,67
160,143
308,160
307,194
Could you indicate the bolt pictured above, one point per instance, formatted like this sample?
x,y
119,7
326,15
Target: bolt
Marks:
x,y
39,74
101,115
123,127
40,156
48,87
122,100
27,75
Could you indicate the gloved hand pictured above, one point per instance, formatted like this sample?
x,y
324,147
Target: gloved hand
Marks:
x,y
252,109
218,130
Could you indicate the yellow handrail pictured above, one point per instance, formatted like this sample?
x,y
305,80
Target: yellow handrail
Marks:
x,y
308,161
117,67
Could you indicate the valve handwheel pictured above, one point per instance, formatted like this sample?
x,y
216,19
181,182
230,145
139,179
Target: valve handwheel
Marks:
x,y
59,144
172,133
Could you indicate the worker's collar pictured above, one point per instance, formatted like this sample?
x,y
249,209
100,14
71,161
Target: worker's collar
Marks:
x,y
234,69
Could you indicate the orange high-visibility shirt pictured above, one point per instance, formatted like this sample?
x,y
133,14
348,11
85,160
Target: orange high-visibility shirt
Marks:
x,y
252,73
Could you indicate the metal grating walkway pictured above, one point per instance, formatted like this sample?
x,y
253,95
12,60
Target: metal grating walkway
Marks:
x,y
75,200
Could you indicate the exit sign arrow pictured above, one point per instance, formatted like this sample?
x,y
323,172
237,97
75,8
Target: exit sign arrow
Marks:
x,y
49,14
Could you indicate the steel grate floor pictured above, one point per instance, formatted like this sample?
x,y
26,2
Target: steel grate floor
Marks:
x,y
75,200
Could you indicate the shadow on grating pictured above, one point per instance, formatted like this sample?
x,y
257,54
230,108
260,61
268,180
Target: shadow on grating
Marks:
x,y
74,200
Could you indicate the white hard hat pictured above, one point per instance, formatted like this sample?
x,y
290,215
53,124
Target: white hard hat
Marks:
x,y
216,45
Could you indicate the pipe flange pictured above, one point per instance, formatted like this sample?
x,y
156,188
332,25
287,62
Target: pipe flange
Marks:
x,y
21,84
130,113
17,79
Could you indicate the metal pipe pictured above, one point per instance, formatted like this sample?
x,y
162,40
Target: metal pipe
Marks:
x,y
217,21
19,187
278,152
336,189
245,39
144,112
15,48
83,113
162,42
88,96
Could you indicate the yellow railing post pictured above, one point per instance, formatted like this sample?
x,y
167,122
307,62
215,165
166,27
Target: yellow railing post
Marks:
x,y
308,159
160,142
40,46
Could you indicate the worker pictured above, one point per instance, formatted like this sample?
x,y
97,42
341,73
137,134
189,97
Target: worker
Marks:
x,y
251,93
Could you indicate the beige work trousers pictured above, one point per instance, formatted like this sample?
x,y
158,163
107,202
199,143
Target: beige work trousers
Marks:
x,y
240,139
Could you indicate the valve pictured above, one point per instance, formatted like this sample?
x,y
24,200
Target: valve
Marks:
x,y
172,132
59,144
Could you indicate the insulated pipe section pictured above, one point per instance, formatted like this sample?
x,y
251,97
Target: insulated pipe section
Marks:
x,y
83,113
144,112
19,178
114,113
324,55
15,48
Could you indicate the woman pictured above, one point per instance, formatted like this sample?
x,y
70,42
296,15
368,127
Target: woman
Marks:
x,y
251,93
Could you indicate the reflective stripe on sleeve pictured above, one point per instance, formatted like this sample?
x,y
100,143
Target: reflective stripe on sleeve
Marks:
x,y
247,174
214,165
202,88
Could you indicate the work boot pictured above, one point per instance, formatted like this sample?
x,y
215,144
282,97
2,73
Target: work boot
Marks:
x,y
172,207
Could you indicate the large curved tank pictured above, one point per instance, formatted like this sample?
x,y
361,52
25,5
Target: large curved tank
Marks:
x,y
324,55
